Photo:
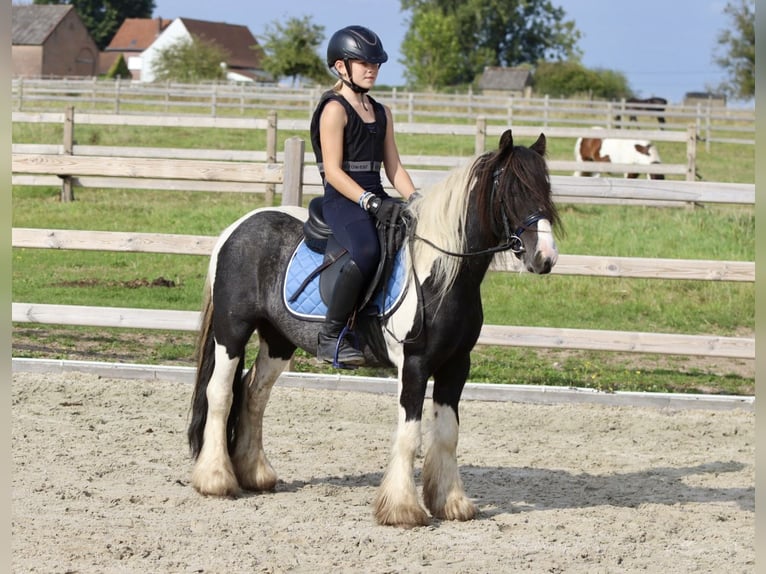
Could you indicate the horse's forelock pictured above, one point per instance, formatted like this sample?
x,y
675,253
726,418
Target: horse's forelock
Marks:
x,y
524,185
531,172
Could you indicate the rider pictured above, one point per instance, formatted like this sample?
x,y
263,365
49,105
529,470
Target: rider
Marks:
x,y
352,136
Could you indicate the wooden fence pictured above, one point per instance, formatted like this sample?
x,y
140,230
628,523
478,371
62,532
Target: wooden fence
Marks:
x,y
423,172
713,124
148,171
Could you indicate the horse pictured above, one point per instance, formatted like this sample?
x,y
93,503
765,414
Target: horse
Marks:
x,y
617,150
498,202
653,104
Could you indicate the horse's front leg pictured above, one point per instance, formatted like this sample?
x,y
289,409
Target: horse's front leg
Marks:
x,y
213,473
442,487
397,501
253,469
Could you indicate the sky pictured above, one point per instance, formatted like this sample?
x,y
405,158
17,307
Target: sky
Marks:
x,y
664,48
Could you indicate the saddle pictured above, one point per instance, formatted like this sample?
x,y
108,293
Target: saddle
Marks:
x,y
320,256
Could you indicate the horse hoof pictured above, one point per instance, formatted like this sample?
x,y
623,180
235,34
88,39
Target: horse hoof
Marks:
x,y
461,509
218,483
405,516
265,482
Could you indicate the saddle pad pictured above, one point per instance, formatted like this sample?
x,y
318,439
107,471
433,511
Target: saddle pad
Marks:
x,y
309,305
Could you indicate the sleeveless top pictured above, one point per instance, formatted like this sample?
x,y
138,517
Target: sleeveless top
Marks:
x,y
362,142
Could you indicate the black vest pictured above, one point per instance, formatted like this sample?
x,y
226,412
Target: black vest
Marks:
x,y
362,143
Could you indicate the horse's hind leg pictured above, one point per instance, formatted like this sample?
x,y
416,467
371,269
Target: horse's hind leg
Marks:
x,y
252,468
442,487
213,472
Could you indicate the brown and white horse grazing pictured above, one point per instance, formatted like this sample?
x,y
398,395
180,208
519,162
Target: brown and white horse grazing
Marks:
x,y
613,150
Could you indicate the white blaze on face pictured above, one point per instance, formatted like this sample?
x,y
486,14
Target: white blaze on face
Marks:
x,y
546,243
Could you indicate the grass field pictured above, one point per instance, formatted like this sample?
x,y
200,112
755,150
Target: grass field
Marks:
x,y
175,282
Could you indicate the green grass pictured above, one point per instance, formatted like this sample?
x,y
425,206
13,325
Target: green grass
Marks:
x,y
127,279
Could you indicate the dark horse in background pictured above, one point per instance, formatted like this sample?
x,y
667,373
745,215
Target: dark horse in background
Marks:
x,y
501,201
654,105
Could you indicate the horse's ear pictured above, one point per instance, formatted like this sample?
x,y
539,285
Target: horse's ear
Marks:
x,y
539,145
506,142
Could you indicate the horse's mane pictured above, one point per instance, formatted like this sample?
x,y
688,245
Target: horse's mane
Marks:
x,y
439,216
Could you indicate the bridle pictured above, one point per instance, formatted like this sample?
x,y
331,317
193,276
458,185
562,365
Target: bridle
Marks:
x,y
513,241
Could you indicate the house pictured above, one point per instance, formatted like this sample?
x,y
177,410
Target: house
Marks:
x,y
501,81
51,40
704,98
242,60
133,37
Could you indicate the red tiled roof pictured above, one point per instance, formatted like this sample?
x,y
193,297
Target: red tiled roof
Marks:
x,y
235,39
137,34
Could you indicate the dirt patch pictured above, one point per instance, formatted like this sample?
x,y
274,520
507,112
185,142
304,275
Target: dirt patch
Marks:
x,y
131,284
101,466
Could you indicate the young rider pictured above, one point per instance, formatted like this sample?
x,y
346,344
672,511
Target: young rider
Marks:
x,y
353,136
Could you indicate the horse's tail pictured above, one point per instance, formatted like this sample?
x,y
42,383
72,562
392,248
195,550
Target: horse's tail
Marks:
x,y
205,353
205,364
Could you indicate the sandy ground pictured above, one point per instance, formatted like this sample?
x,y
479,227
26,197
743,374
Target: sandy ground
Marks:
x,y
101,484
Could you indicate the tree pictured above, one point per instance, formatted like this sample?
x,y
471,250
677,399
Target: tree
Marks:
x,y
290,50
188,60
433,49
102,18
567,79
738,46
500,32
119,69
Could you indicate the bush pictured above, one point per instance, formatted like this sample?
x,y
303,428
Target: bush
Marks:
x,y
119,69
567,79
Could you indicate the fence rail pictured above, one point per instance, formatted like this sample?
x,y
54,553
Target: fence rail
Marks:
x,y
500,335
713,123
480,131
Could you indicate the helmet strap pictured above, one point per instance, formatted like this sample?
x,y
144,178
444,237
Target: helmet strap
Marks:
x,y
350,82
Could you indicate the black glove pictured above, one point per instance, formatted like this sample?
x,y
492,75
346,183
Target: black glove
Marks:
x,y
386,211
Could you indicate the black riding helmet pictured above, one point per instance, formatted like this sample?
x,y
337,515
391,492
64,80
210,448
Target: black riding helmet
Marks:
x,y
355,43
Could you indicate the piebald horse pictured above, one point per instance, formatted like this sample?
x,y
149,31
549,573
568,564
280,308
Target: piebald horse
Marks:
x,y
500,201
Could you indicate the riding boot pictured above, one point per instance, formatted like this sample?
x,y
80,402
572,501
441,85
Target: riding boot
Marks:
x,y
333,346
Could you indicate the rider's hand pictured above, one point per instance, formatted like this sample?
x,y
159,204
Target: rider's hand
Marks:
x,y
385,210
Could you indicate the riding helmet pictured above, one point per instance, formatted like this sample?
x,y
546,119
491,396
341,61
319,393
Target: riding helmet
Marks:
x,y
355,43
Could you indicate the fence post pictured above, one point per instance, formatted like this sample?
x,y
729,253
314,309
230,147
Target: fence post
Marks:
x,y
66,181
313,99
481,135
292,190
691,152
410,105
21,93
117,95
271,152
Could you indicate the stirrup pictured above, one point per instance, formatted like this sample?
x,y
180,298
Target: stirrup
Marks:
x,y
342,341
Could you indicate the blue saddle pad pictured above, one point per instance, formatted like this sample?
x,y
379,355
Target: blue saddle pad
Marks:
x,y
309,305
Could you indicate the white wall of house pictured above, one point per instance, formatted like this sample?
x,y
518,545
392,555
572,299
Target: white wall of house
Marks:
x,y
170,35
